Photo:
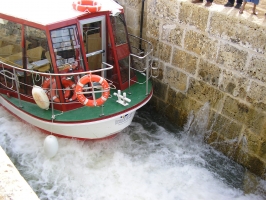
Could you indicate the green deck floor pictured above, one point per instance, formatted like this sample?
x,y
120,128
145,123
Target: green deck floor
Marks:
x,y
138,94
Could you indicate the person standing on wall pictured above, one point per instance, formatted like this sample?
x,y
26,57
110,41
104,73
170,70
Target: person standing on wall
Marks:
x,y
230,3
208,4
255,2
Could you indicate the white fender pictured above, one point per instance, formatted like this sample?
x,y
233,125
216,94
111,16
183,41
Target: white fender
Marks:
x,y
40,97
50,146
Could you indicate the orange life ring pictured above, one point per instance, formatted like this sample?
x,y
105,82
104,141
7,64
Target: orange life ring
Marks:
x,y
92,78
89,6
67,83
46,87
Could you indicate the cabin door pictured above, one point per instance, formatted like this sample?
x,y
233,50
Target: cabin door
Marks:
x,y
94,39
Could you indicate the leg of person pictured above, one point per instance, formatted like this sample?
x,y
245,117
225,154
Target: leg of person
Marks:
x,y
242,8
238,4
209,3
230,3
254,10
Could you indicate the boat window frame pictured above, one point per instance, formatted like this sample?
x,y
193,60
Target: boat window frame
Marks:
x,y
101,18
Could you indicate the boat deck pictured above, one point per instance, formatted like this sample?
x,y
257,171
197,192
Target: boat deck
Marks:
x,y
111,107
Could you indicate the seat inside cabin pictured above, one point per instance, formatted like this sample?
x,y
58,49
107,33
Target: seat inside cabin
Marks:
x,y
36,45
11,53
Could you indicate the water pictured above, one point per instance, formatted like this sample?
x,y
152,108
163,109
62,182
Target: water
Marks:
x,y
150,160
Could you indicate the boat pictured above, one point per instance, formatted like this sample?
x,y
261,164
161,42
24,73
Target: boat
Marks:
x,y
71,69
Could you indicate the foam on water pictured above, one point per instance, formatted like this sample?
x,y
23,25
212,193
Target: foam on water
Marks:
x,y
147,162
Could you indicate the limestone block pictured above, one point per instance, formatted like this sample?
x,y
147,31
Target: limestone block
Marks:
x,y
209,72
257,95
257,68
252,163
262,151
163,10
165,52
201,44
193,15
155,46
232,58
212,138
185,11
184,61
172,33
234,84
183,104
133,31
228,129
176,98
175,79
255,120
151,7
132,18
12,184
230,27
242,32
244,114
162,106
159,89
235,110
205,93
173,114
250,142
133,3
152,27
226,146
159,73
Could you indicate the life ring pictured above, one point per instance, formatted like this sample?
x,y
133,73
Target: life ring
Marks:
x,y
92,78
46,87
67,83
89,6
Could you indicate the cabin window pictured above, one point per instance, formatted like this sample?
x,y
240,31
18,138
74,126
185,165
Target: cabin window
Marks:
x,y
92,39
119,30
10,40
37,51
66,47
122,47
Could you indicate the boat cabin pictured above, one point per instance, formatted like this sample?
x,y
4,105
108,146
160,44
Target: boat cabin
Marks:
x,y
52,37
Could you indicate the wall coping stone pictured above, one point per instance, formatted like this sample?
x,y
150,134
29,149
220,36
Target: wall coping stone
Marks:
x,y
12,184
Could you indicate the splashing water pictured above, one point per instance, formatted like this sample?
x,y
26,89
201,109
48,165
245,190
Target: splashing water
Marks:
x,y
150,160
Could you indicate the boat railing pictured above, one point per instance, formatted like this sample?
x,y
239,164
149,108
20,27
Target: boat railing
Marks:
x,y
145,55
36,76
58,74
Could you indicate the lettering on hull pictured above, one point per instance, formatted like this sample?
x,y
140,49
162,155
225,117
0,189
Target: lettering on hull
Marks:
x,y
123,119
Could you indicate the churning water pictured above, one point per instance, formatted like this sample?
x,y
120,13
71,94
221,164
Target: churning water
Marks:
x,y
150,160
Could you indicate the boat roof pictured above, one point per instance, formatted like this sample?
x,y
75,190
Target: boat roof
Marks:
x,y
46,12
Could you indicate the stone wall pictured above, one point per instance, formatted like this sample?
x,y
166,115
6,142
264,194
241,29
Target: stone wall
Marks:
x,y
210,55
12,184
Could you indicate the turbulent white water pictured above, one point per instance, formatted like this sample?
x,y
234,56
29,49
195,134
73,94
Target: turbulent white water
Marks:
x,y
148,161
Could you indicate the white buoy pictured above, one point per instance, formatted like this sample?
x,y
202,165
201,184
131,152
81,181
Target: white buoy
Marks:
x,y
40,97
50,146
